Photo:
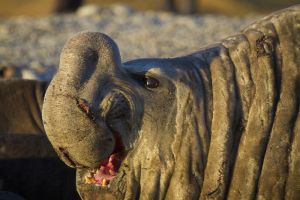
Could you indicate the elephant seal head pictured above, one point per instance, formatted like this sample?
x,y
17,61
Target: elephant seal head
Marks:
x,y
130,129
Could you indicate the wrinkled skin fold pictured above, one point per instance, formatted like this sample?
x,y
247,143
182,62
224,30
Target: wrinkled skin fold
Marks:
x,y
220,123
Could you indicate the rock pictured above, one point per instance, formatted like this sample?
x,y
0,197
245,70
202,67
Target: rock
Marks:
x,y
88,10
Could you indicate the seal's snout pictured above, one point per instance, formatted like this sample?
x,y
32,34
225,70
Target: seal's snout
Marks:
x,y
90,52
73,110
75,129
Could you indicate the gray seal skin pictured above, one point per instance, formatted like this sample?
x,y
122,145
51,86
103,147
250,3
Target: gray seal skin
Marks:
x,y
220,123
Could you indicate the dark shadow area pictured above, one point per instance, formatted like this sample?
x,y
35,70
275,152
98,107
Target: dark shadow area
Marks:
x,y
183,6
65,6
30,168
270,5
38,178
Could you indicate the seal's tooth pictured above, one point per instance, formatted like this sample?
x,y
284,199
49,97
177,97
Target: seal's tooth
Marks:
x,y
89,180
105,182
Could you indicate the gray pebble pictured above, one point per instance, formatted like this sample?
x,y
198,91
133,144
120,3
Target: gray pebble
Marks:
x,y
33,44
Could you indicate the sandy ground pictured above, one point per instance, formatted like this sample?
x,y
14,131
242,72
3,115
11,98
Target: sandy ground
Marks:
x,y
33,44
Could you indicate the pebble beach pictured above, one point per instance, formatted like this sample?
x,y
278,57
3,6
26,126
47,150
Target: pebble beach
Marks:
x,y
33,44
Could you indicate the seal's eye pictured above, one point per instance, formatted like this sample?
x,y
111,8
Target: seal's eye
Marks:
x,y
151,82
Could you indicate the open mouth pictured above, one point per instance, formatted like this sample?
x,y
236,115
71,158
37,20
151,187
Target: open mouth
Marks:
x,y
108,168
117,120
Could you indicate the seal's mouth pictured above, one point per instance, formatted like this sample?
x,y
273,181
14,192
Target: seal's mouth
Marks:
x,y
118,119
108,168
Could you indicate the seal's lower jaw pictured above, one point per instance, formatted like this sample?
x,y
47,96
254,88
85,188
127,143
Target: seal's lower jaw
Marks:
x,y
88,191
100,183
108,168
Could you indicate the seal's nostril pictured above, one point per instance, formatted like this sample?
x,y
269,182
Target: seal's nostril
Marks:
x,y
66,156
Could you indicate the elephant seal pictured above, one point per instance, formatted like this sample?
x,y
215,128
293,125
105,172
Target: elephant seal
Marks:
x,y
8,72
220,123
21,106
28,164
